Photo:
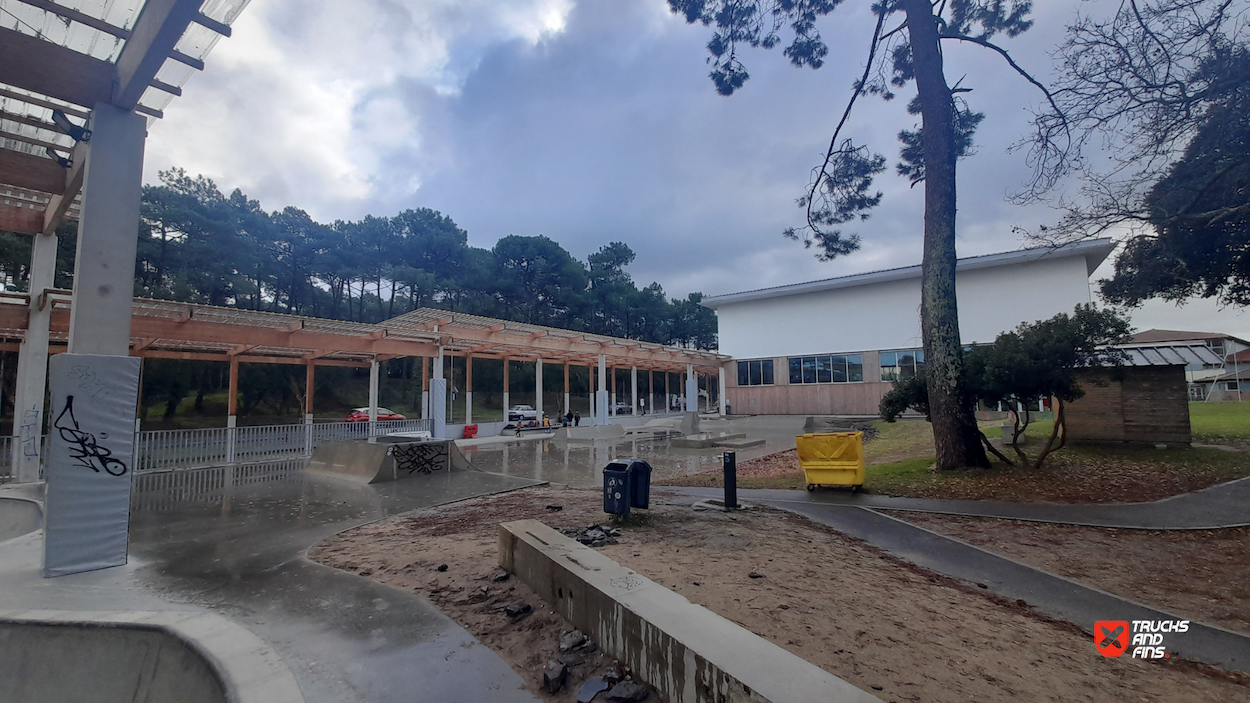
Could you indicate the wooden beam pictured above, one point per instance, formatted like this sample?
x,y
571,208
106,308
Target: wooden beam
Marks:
x,y
241,349
208,22
35,140
157,30
76,16
40,102
28,120
143,344
58,206
244,358
31,172
22,220
37,65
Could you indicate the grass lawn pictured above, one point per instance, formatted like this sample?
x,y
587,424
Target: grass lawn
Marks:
x,y
1221,423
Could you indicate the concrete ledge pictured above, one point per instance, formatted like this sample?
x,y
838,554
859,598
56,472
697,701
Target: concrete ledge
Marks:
x,y
689,653
18,516
190,657
703,440
589,433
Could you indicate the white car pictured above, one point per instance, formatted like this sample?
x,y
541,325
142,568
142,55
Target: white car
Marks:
x,y
522,413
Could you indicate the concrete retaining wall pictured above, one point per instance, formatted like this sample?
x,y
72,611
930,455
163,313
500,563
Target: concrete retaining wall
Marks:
x,y
18,517
137,657
689,653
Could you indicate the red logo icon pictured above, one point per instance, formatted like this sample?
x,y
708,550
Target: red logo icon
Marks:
x,y
1111,637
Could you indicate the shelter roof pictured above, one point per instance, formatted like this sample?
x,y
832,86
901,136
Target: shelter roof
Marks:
x,y
1093,250
1170,355
1154,336
168,329
70,55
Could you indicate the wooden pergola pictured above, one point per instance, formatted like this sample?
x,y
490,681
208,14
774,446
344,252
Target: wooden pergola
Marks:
x,y
163,329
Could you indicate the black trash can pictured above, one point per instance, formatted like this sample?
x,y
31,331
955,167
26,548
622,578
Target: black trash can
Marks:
x,y
616,488
639,483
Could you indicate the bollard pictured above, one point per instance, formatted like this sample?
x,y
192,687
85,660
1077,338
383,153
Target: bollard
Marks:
x,y
731,480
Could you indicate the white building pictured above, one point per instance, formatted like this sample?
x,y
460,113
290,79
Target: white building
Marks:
x,y
833,346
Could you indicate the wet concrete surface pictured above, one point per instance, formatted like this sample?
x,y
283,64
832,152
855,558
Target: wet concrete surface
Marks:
x,y
240,551
579,464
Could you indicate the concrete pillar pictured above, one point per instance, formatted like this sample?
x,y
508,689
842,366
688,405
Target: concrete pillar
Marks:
x,y
692,389
590,393
438,398
566,388
633,390
108,231
32,364
468,389
601,398
720,391
373,397
538,388
425,388
506,384
665,391
232,397
310,380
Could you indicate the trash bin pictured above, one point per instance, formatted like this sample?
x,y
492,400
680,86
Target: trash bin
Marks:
x,y
639,483
616,488
470,431
832,459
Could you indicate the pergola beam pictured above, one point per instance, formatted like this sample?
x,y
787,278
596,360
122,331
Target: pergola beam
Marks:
x,y
160,25
60,203
37,65
22,220
31,172
40,102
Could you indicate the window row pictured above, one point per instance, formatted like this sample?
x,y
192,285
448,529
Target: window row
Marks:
x,y
755,373
833,368
903,363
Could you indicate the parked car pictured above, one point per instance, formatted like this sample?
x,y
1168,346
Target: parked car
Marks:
x,y
362,415
522,413
620,408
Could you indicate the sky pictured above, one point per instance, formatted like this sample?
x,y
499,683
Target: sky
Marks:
x,y
591,122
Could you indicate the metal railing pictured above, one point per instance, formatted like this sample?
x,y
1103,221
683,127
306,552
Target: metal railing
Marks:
x,y
171,450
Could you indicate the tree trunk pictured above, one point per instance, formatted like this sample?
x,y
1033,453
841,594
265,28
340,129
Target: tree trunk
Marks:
x,y
956,437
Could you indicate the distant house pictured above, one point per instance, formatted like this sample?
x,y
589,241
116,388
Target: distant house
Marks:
x,y
1207,381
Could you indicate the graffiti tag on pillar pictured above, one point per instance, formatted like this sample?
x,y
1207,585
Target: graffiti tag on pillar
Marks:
x,y
419,458
29,432
89,382
85,449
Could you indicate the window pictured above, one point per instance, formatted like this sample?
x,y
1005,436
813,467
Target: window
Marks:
x,y
1231,386
903,363
827,368
755,373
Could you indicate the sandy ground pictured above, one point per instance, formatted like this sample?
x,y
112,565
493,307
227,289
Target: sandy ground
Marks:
x,y
884,625
1199,574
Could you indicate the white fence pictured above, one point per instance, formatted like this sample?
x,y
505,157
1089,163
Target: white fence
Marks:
x,y
169,450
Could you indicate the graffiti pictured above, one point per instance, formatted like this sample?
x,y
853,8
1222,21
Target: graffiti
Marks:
x,y
29,433
628,583
84,447
89,382
419,458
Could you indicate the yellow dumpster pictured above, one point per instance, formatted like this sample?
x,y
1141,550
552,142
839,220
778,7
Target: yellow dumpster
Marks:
x,y
833,459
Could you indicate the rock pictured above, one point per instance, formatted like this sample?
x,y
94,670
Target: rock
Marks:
x,y
500,575
613,674
981,585
629,691
572,640
484,590
571,660
875,687
591,688
755,575
554,676
518,611
614,532
442,567
555,508
783,606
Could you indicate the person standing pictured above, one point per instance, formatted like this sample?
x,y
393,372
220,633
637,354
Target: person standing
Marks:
x,y
577,419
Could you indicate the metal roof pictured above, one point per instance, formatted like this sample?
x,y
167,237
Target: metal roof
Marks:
x,y
1094,251
1169,355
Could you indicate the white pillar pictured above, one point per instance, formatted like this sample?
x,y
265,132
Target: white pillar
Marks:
x,y
468,407
601,398
373,397
633,390
692,390
538,388
32,364
438,398
720,391
108,232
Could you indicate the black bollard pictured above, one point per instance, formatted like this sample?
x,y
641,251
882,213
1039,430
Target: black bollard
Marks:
x,y
731,480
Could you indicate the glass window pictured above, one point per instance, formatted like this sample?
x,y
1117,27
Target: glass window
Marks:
x,y
824,371
906,366
755,373
744,378
767,366
855,368
809,369
796,370
904,363
756,376
839,368
1230,386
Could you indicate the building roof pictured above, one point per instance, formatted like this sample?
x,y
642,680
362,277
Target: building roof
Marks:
x,y
1170,355
1155,336
1095,251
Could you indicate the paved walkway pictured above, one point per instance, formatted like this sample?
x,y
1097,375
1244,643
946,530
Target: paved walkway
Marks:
x,y
1049,593
1222,505
240,552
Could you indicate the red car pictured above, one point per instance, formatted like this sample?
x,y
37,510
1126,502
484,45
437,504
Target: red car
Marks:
x,y
362,415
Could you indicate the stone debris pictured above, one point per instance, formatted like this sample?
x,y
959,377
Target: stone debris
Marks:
x,y
755,575
573,640
629,691
592,535
592,688
442,567
500,576
615,673
555,508
555,674
518,611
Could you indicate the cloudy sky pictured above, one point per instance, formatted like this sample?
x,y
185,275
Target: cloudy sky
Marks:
x,y
590,122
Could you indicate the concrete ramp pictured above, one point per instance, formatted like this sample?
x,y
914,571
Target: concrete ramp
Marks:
x,y
386,460
19,516
589,433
